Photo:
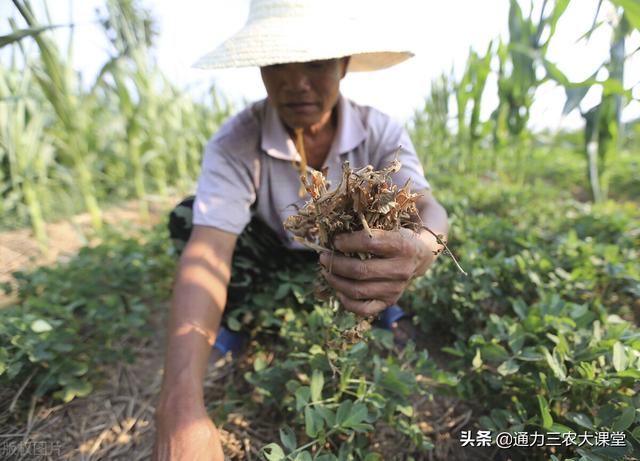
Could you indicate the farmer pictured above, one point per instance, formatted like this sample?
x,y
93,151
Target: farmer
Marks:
x,y
251,177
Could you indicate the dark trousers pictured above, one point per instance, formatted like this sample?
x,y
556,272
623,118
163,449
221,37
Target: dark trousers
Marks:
x,y
257,258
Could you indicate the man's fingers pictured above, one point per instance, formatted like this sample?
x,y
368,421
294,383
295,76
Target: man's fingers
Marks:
x,y
365,308
383,290
368,269
381,243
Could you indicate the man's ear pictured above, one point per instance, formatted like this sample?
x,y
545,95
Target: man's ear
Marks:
x,y
345,64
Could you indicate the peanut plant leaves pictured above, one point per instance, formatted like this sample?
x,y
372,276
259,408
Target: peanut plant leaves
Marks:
x,y
302,397
581,420
343,412
41,326
288,438
545,414
273,452
356,415
313,422
555,365
625,420
317,382
619,357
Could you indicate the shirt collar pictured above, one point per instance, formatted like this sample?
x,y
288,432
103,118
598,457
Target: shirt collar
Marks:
x,y
277,143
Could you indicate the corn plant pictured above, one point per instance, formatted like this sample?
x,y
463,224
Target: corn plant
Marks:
x,y
469,91
602,121
522,54
429,127
24,145
517,79
57,81
121,137
126,26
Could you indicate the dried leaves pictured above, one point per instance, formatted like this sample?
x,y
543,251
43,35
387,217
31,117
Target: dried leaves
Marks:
x,y
365,199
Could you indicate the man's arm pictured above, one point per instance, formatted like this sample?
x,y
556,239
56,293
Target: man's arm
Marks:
x,y
184,430
433,216
366,287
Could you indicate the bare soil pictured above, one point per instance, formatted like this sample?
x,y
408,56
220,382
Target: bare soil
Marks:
x,y
20,251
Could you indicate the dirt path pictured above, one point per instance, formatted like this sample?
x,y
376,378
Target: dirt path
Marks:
x,y
19,249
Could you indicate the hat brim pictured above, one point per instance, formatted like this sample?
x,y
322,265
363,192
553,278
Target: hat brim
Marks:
x,y
269,42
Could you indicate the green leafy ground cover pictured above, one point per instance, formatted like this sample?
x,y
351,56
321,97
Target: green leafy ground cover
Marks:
x,y
74,319
541,336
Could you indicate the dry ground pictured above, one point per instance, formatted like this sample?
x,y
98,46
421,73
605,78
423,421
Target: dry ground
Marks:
x,y
20,251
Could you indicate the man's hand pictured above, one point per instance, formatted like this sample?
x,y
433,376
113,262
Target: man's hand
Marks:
x,y
186,434
368,286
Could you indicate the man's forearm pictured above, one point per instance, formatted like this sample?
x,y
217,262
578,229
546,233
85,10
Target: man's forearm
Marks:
x,y
433,216
193,325
198,302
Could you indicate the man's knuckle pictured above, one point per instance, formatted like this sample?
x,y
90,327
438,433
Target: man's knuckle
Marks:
x,y
396,245
376,307
330,280
361,270
353,307
359,292
406,246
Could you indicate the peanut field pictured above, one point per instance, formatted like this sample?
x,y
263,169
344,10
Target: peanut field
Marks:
x,y
533,353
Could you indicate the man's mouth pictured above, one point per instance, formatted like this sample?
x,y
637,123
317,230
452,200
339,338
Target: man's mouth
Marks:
x,y
300,107
298,104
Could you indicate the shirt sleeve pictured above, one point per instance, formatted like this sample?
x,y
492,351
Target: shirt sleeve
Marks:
x,y
226,189
394,136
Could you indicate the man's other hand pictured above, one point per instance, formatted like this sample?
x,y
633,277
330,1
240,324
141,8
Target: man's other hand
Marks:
x,y
186,434
368,286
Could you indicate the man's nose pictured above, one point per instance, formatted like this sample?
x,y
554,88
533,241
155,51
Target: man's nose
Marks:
x,y
296,78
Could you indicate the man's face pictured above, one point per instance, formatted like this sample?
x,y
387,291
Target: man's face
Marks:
x,y
304,93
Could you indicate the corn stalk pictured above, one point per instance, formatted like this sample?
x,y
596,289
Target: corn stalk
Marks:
x,y
469,92
517,79
55,78
25,146
430,126
603,121
123,136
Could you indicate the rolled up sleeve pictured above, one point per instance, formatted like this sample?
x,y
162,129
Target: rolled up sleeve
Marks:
x,y
226,189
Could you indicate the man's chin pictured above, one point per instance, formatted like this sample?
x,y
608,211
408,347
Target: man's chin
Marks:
x,y
301,122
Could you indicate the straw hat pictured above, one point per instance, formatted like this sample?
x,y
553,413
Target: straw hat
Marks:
x,y
284,31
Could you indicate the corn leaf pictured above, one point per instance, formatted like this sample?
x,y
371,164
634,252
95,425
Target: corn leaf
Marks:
x,y
631,11
18,35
